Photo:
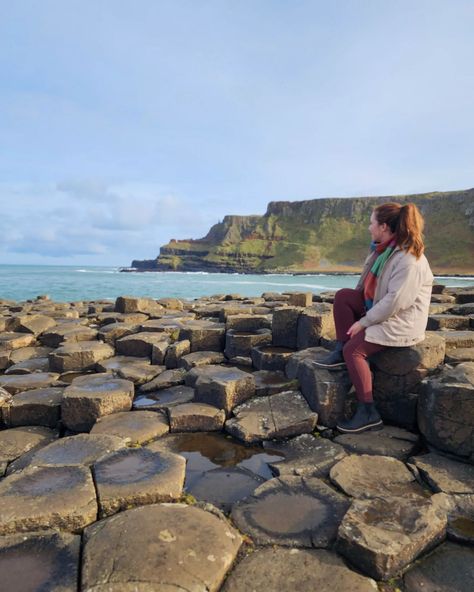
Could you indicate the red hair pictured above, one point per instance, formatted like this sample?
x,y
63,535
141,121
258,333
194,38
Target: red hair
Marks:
x,y
406,222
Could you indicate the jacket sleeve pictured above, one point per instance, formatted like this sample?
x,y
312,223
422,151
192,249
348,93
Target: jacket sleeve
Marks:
x,y
403,288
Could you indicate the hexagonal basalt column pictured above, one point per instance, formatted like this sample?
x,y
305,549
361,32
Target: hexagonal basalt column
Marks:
x,y
47,497
82,355
222,387
91,397
240,343
137,476
163,546
204,335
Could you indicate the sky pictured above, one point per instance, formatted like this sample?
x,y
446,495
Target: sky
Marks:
x,y
126,123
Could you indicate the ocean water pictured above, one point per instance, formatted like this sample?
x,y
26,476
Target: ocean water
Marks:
x,y
72,283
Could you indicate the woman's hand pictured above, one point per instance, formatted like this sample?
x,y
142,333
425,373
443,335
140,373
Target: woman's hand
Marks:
x,y
354,329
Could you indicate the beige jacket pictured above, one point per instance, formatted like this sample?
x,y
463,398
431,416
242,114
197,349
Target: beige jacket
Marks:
x,y
402,298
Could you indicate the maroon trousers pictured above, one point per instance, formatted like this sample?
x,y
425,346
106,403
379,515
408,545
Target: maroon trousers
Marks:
x,y
349,308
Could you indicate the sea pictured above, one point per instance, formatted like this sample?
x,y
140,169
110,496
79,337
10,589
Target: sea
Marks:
x,y
76,283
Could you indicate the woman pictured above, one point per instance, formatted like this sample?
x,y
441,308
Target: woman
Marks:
x,y
388,308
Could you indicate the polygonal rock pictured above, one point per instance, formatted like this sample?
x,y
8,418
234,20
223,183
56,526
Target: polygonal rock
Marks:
x,y
291,369
449,567
80,450
270,383
29,366
304,299
291,511
40,561
305,455
446,475
139,345
138,370
26,353
326,391
36,407
282,415
16,383
383,535
447,321
398,375
249,323
457,339
137,476
446,411
221,387
132,426
286,570
159,351
285,325
367,476
175,352
196,417
201,358
315,323
223,486
165,398
166,379
457,356
113,331
91,397
34,324
426,355
152,544
17,441
240,343
269,357
204,335
47,497
128,304
10,340
69,332
83,355
389,441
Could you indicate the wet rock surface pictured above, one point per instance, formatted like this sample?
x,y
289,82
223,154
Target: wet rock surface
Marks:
x,y
295,569
47,497
40,561
282,415
383,535
129,373
291,511
389,441
153,544
135,427
136,477
449,567
366,476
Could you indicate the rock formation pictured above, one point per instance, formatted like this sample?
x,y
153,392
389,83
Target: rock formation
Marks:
x,y
320,235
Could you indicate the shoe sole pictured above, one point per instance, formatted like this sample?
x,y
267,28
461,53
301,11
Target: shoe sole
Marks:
x,y
373,427
323,365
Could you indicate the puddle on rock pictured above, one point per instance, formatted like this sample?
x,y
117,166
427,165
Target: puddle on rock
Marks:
x,y
461,528
130,466
219,469
27,571
296,513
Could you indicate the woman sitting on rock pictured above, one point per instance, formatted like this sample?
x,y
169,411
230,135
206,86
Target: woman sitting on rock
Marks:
x,y
388,308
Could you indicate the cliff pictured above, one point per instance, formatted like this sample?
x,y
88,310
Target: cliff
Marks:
x,y
321,235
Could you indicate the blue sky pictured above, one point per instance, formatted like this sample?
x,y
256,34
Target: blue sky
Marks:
x,y
124,124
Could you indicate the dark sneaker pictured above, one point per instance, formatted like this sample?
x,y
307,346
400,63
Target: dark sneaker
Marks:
x,y
334,360
365,418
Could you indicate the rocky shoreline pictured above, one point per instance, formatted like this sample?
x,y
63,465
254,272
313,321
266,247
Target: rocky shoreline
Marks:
x,y
190,445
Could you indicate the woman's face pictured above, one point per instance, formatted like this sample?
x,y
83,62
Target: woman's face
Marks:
x,y
378,232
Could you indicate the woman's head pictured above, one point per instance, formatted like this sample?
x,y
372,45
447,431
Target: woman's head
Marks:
x,y
404,223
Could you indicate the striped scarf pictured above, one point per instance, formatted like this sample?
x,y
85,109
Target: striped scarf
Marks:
x,y
384,250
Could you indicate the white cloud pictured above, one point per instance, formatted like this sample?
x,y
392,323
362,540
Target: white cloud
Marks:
x,y
91,218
